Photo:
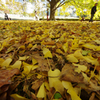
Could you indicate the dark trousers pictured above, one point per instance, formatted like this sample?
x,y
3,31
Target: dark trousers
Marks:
x,y
91,19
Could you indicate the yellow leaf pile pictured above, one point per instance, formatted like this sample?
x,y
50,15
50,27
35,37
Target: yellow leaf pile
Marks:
x,y
57,60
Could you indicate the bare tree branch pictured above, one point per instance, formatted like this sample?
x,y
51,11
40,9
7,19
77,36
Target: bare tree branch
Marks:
x,y
49,1
61,4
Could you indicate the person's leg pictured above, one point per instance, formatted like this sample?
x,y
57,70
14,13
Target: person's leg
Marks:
x,y
91,19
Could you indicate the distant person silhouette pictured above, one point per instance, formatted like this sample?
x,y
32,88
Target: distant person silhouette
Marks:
x,y
6,16
36,16
93,11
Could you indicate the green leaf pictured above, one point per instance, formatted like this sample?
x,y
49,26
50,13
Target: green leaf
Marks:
x,y
57,96
84,53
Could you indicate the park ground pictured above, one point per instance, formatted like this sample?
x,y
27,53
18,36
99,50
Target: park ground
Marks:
x,y
49,60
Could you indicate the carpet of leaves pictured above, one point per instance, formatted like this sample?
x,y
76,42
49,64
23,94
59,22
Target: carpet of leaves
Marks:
x,y
49,60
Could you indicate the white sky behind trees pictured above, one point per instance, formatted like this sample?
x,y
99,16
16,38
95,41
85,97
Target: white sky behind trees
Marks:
x,y
30,7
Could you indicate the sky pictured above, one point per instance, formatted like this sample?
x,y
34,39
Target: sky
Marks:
x,y
19,0
30,6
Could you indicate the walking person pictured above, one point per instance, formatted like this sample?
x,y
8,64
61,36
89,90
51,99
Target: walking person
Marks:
x,y
93,11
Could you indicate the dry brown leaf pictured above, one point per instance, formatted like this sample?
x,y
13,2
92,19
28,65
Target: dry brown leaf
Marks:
x,y
43,63
49,43
59,45
68,74
4,89
5,76
50,93
3,96
36,84
23,39
92,96
33,96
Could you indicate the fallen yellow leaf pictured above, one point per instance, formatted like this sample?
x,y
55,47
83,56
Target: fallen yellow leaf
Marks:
x,y
47,53
18,97
17,64
41,92
6,62
53,76
72,58
34,61
65,47
71,90
27,68
80,68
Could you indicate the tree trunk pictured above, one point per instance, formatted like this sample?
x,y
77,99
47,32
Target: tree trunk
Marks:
x,y
53,4
52,14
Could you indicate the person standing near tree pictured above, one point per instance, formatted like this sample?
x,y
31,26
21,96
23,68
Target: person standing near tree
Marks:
x,y
6,16
93,11
36,17
47,14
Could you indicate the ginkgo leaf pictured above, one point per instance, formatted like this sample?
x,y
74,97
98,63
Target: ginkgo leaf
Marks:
x,y
77,90
6,62
90,46
23,58
59,45
1,48
65,47
78,54
71,90
61,38
9,49
39,76
53,76
17,64
58,86
85,77
92,74
91,60
47,53
22,47
1,61
72,58
21,51
35,46
29,46
41,92
18,97
27,68
80,68
34,67
59,51
97,48
75,43
82,41
4,43
34,61
47,85
49,43
97,41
